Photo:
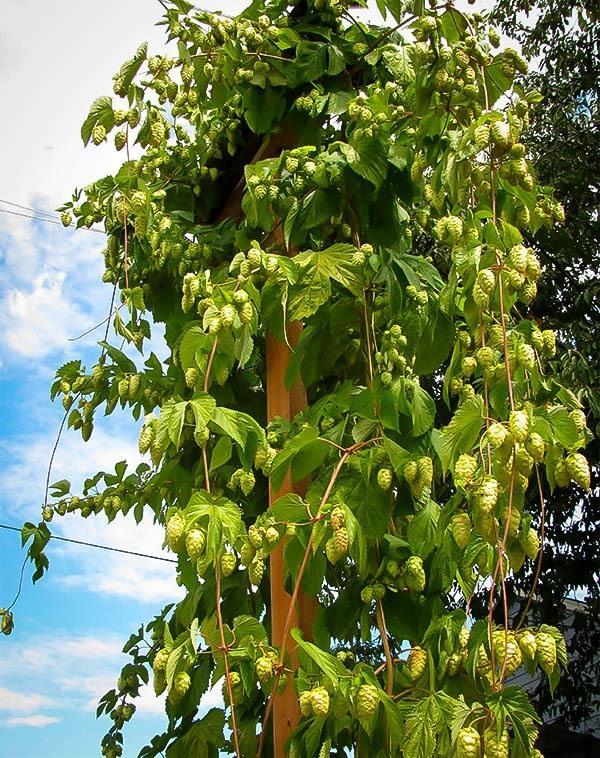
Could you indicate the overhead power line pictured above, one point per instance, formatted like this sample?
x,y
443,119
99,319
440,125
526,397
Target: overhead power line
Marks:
x,y
99,547
46,218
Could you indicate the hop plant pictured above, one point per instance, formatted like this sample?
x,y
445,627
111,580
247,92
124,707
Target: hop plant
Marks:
x,y
536,447
518,425
425,470
319,700
384,478
265,669
256,569
146,438
416,663
506,649
247,482
546,651
415,574
305,703
180,686
98,134
337,519
468,743
528,643
460,526
160,660
191,377
228,564
367,700
465,469
495,746
340,539
579,470
531,544
496,435
174,530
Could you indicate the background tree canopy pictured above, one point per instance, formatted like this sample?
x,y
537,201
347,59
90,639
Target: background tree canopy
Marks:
x,y
563,38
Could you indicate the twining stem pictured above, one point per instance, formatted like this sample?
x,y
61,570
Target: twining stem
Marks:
x,y
389,661
206,384
224,648
540,555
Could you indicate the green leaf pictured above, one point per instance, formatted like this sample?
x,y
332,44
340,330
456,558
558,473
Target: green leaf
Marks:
x,y
422,408
461,433
422,529
289,508
221,453
201,734
329,664
223,518
171,419
368,159
203,406
398,456
101,113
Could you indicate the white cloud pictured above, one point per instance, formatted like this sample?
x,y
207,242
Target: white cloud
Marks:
x,y
38,720
17,702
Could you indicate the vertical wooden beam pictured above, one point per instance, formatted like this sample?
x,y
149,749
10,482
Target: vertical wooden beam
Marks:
x,y
286,403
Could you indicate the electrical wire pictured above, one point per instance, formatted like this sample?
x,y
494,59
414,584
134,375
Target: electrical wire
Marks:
x,y
49,221
50,214
99,547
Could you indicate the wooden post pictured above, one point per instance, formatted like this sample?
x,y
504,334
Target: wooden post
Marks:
x,y
285,403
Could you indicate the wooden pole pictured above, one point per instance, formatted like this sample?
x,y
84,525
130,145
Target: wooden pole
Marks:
x,y
286,403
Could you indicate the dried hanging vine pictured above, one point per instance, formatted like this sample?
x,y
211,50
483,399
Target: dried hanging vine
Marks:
x,y
405,190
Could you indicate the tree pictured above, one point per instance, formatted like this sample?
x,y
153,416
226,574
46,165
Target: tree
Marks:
x,y
564,141
295,161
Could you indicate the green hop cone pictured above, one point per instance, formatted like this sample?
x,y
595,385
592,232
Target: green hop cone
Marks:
x,y
527,643
465,469
367,700
319,700
255,536
579,419
174,531
123,387
366,594
536,447
271,536
120,140
228,564
305,703
98,134
506,648
454,229
265,669
546,650
417,662
191,377
228,314
561,473
496,435
160,660
247,482
331,551
246,312
146,438
134,385
337,519
237,688
66,218
468,365
179,688
256,569
486,280
384,478
579,470
468,743
425,470
518,424
6,622
415,574
495,746
194,543
411,472
531,544
526,356
340,540
460,526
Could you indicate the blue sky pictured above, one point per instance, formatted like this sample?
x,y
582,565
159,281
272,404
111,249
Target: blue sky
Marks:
x,y
65,650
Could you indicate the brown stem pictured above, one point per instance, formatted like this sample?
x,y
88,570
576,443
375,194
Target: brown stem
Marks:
x,y
540,555
234,729
389,661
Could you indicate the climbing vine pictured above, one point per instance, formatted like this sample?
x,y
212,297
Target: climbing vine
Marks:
x,y
297,166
